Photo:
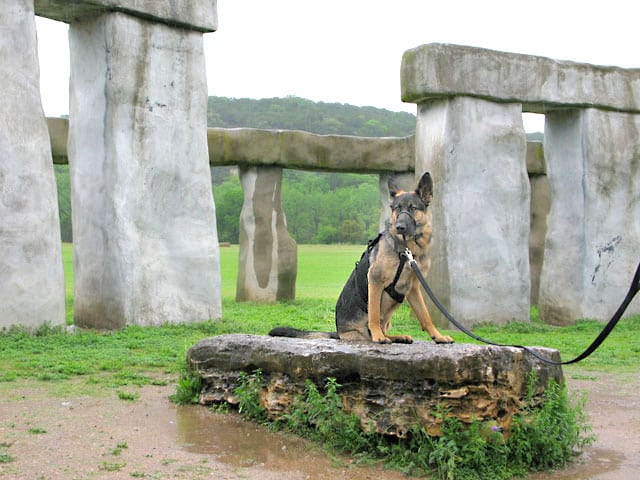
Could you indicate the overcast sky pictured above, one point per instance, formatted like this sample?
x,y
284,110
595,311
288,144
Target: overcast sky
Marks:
x,y
349,51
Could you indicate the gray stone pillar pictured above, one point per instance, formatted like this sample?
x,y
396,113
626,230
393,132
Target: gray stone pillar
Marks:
x,y
145,241
268,257
31,275
591,250
540,203
475,151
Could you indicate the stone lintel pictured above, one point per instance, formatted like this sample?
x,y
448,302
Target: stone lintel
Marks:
x,y
309,151
389,386
224,143
540,84
200,15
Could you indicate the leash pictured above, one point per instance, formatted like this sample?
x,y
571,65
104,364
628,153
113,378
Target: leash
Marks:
x,y
633,289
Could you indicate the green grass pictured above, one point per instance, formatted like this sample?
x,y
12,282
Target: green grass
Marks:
x,y
141,355
67,265
322,270
119,362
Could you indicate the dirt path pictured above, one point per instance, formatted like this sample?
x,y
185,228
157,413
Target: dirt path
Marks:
x,y
104,437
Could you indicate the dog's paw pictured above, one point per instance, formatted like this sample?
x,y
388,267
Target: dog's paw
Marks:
x,y
402,339
443,339
383,341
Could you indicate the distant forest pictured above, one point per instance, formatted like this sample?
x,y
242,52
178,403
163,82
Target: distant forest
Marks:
x,y
294,113
320,207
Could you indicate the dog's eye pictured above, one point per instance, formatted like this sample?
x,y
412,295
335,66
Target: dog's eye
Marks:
x,y
413,208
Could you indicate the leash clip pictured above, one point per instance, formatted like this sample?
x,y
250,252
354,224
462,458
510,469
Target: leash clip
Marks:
x,y
409,255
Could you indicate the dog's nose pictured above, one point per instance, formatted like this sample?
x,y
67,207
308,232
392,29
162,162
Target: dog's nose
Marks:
x,y
400,227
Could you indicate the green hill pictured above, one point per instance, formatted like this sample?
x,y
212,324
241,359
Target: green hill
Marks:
x,y
319,206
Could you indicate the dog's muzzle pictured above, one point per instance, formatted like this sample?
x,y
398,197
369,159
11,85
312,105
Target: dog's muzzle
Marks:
x,y
405,224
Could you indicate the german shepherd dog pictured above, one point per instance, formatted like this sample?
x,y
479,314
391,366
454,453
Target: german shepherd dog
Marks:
x,y
382,279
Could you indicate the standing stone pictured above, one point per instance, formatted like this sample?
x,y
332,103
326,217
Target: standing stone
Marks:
x,y
537,170
475,151
145,242
31,274
268,255
591,250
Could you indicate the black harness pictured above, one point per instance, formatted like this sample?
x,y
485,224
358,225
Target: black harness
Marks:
x,y
362,269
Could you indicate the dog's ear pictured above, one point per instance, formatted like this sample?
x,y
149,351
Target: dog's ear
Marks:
x,y
425,188
393,187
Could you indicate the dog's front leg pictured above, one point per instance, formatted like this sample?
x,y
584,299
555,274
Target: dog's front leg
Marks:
x,y
416,302
373,307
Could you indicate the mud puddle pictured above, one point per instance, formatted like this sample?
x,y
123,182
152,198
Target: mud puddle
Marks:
x,y
612,406
98,437
244,444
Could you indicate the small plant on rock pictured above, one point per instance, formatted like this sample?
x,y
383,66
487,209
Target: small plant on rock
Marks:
x,y
546,433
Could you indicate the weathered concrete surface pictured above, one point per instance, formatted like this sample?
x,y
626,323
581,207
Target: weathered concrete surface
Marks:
x,y
200,15
539,84
59,135
593,239
247,144
539,210
145,241
268,257
392,387
475,151
540,205
31,274
296,149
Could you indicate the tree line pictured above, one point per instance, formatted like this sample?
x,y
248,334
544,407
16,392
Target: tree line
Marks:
x,y
320,207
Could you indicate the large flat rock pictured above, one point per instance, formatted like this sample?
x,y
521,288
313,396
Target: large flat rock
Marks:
x,y
388,386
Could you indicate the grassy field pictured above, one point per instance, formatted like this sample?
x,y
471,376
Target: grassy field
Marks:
x,y
138,356
322,269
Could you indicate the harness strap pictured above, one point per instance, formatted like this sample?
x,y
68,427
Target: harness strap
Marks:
x,y
391,288
361,270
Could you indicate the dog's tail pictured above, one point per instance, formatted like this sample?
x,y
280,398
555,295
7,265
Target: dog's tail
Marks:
x,y
295,333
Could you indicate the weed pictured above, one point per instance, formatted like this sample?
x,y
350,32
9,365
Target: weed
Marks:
x,y
221,408
6,458
249,404
128,396
4,455
37,431
188,388
550,434
546,433
111,466
322,417
118,449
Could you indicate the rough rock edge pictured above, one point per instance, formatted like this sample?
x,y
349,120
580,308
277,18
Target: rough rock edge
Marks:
x,y
389,387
